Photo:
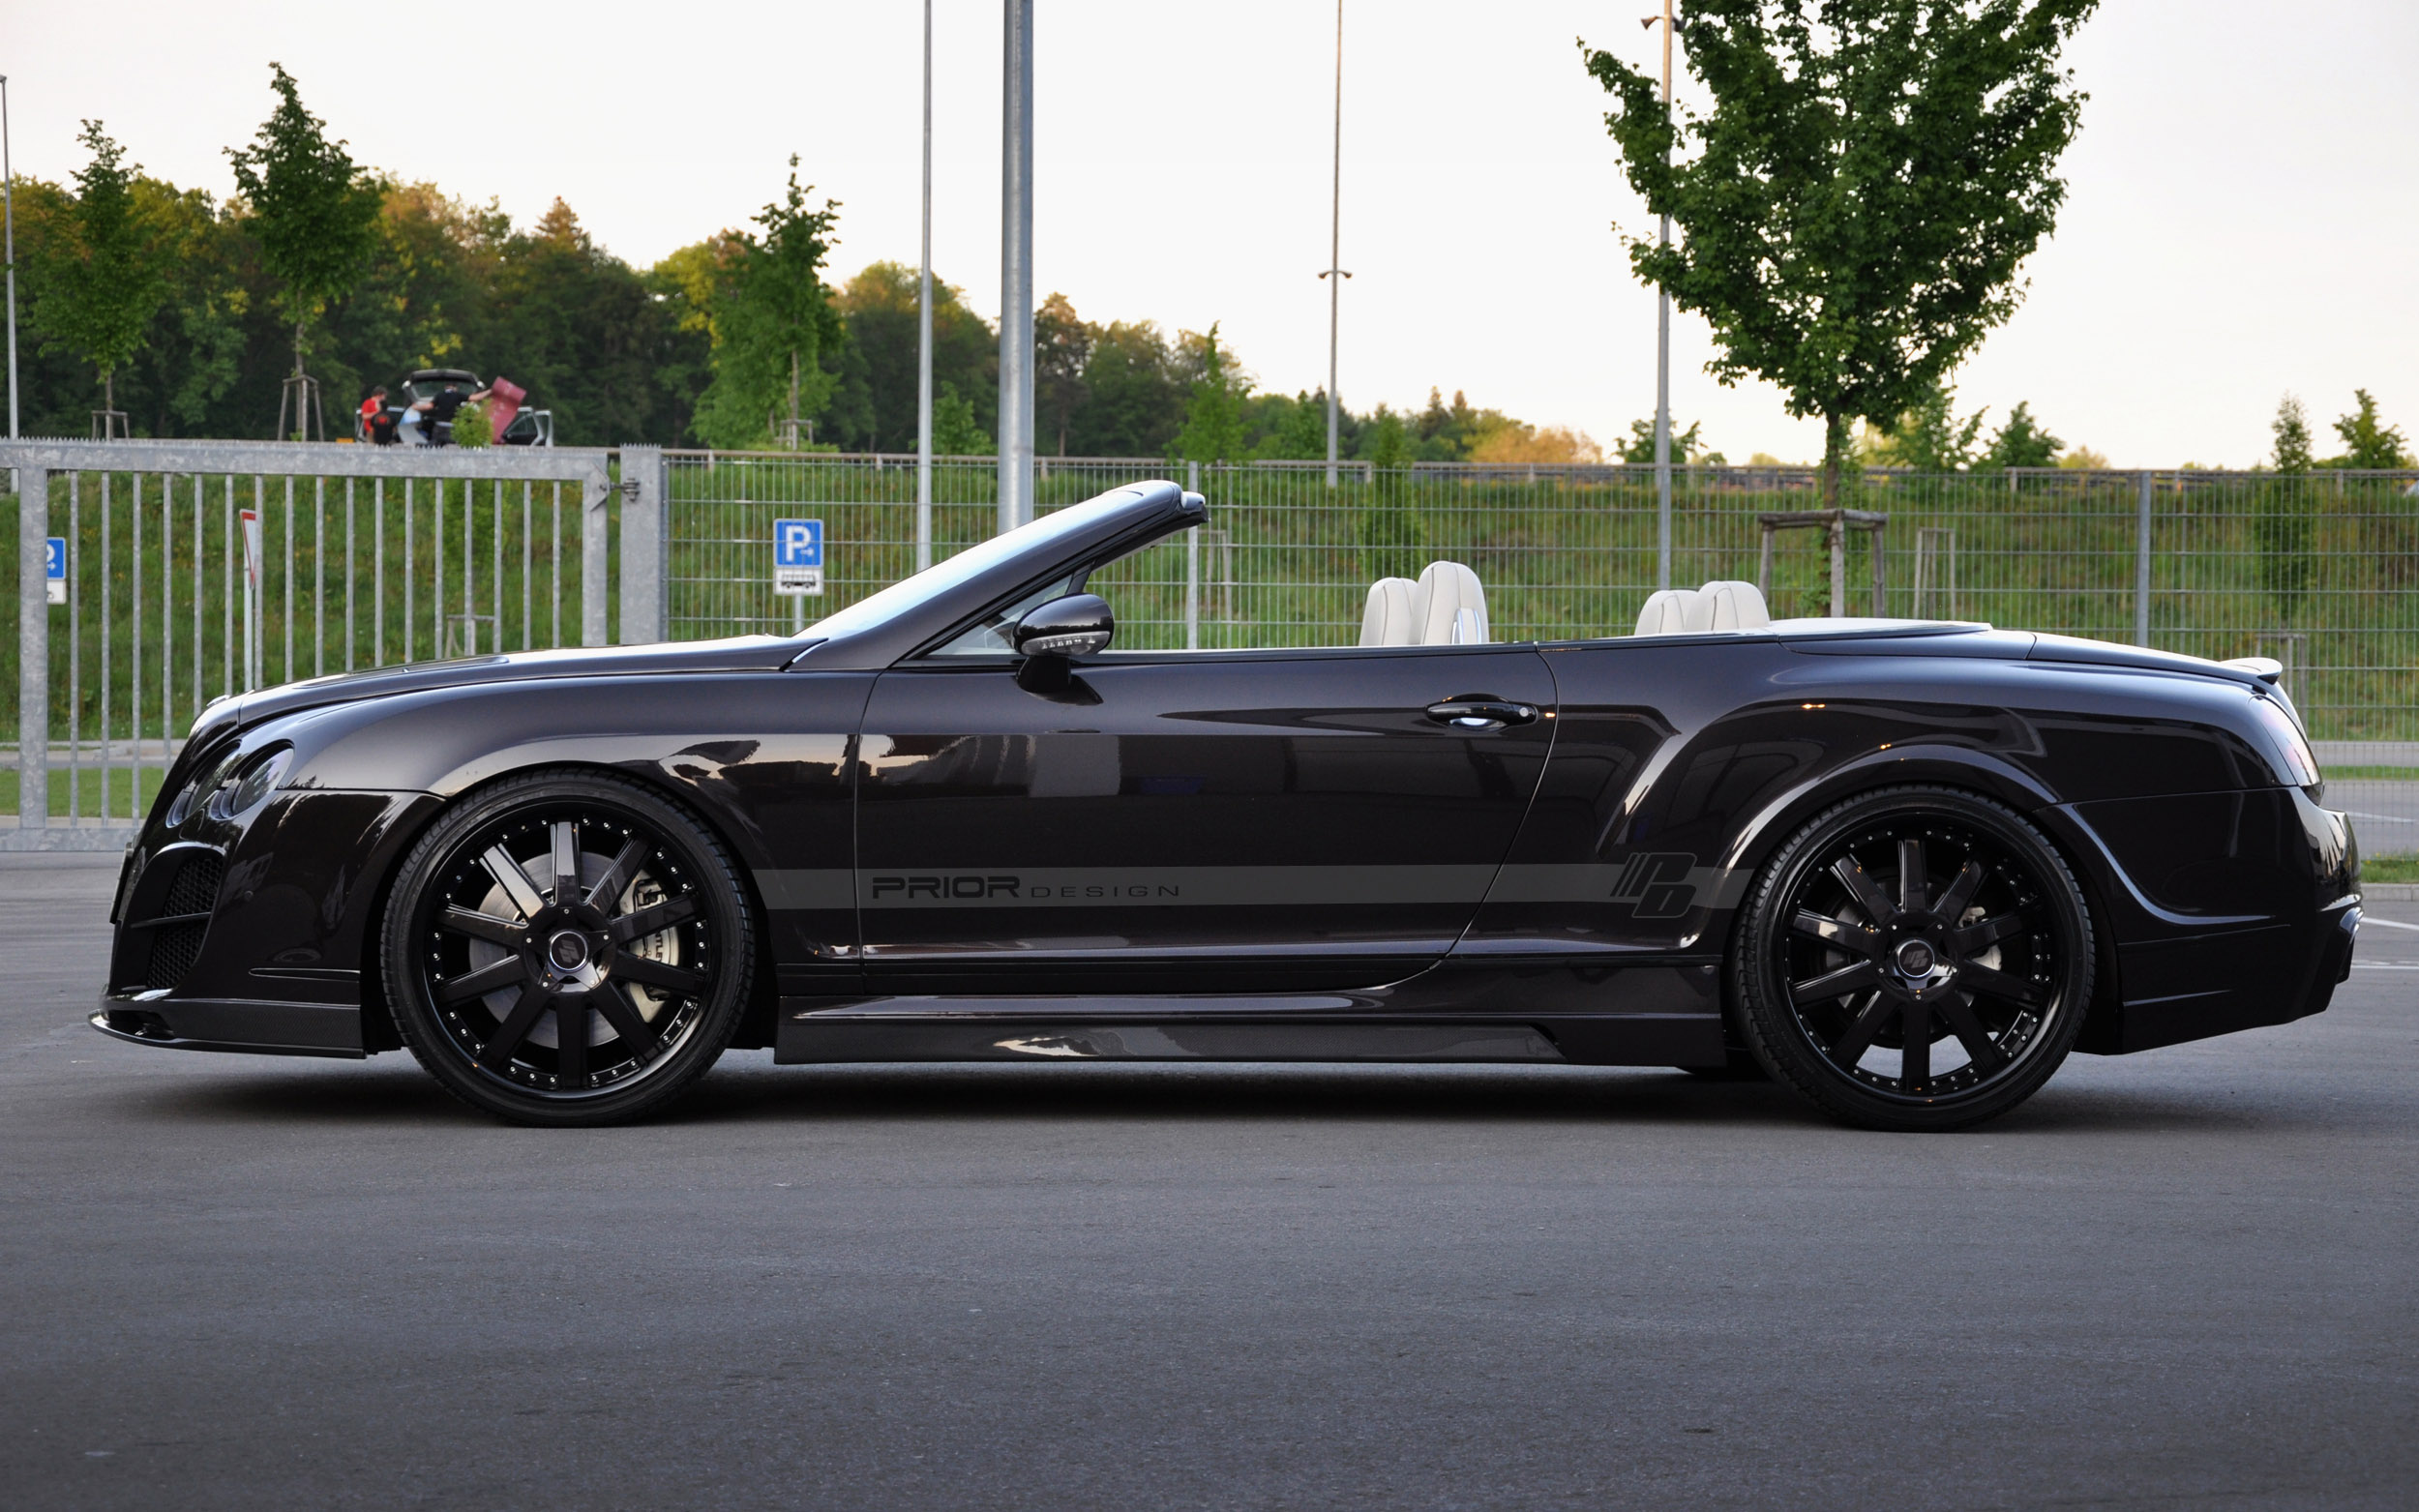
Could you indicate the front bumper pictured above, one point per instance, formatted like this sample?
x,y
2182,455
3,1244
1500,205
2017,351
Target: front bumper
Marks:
x,y
248,1027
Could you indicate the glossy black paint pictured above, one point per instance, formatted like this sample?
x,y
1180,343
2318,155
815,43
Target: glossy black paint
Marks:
x,y
1324,852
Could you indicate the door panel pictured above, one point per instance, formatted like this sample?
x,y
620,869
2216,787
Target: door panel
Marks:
x,y
1181,818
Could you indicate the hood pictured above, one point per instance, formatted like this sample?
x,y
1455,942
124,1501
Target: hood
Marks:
x,y
736,654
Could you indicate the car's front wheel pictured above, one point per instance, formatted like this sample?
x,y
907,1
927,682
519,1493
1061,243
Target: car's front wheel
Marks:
x,y
1913,959
567,949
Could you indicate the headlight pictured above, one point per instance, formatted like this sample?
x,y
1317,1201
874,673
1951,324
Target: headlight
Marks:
x,y
198,792
257,783
2297,763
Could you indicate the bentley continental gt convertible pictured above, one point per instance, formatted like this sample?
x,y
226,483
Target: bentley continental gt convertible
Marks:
x,y
1902,868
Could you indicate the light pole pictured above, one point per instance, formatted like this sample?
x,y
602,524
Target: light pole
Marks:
x,y
7,173
1662,356
1016,272
924,331
1335,274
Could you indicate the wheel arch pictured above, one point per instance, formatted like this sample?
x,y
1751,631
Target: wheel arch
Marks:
x,y
1963,769
757,1021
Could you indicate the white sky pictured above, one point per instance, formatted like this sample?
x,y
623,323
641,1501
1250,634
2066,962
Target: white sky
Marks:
x,y
2242,221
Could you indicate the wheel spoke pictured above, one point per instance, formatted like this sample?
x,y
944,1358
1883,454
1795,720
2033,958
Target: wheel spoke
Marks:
x,y
1977,938
1913,887
1915,1063
515,881
474,983
1959,894
651,920
2002,985
571,1036
483,926
1854,938
497,1052
1837,984
610,888
565,834
1850,1047
614,1003
1863,889
658,975
1986,1055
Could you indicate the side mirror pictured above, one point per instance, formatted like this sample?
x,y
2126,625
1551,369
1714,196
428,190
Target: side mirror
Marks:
x,y
1077,625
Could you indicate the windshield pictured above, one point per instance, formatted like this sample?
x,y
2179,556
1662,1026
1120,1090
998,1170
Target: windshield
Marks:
x,y
904,597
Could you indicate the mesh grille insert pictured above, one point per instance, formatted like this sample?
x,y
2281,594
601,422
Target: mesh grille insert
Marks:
x,y
196,888
173,951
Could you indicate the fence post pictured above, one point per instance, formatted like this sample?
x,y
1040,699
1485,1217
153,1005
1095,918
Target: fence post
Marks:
x,y
644,600
1192,568
33,649
2141,563
595,629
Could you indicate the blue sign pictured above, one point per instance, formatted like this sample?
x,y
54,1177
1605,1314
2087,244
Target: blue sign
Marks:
x,y
56,562
798,542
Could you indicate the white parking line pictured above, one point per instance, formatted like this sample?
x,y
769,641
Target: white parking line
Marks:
x,y
2391,923
2382,818
2385,965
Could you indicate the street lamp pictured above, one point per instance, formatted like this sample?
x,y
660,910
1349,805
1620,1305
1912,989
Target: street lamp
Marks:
x,y
1016,272
7,175
1335,274
924,331
1662,355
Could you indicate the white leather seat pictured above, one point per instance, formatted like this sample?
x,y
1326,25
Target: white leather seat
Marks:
x,y
1728,604
1666,612
1390,617
1449,607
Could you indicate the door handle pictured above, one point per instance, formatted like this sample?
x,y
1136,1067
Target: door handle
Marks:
x,y
1481,713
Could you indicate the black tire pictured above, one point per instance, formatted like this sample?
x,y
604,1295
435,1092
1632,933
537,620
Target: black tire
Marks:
x,y
638,958
1850,981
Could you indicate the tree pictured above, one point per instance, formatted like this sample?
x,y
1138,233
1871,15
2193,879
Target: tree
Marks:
x,y
2368,441
2282,525
772,318
1062,346
2021,442
314,213
1214,421
1929,438
1390,532
98,296
1135,403
1639,449
1868,180
874,407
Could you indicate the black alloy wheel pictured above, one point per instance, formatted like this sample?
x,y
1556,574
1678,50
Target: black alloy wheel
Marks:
x,y
567,949
1913,959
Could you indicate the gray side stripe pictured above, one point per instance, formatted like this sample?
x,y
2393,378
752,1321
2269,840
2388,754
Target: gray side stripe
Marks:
x,y
836,888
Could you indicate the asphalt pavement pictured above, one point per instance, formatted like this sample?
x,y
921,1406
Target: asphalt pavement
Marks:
x,y
2174,1279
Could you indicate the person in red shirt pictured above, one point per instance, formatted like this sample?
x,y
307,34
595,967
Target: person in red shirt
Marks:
x,y
371,407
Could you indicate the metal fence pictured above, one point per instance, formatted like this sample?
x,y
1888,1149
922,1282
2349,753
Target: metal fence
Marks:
x,y
184,571
368,556
2318,570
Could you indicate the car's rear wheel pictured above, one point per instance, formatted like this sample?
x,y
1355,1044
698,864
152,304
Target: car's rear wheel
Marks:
x,y
567,949
1913,959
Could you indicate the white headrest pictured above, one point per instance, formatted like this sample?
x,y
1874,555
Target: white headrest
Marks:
x,y
1666,612
1386,618
1728,604
1446,590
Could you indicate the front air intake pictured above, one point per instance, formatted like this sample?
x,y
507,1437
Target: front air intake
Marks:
x,y
167,918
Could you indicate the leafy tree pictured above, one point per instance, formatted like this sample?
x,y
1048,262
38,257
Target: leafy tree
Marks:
x,y
2283,523
873,406
1870,178
315,212
1929,438
1390,532
96,298
1214,421
2368,441
956,431
1136,398
1062,346
2019,442
771,319
1640,447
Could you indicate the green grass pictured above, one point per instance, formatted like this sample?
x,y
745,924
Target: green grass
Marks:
x,y
124,805
2389,868
2373,774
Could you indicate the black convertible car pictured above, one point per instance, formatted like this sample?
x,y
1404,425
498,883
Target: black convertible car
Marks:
x,y
1901,867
